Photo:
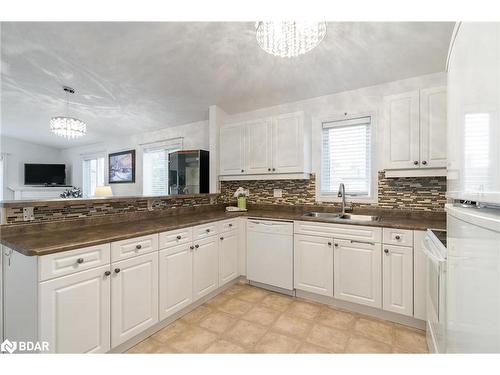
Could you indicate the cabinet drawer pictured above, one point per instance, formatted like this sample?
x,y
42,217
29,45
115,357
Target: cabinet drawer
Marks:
x,y
175,237
68,262
340,231
399,237
133,246
204,231
227,225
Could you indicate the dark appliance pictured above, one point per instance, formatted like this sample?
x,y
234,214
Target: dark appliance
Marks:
x,y
188,172
45,174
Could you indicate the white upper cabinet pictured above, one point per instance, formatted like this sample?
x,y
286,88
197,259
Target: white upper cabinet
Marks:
x,y
232,149
433,127
288,143
402,130
266,147
259,147
357,270
415,132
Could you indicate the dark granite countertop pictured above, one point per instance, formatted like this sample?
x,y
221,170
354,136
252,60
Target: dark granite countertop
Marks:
x,y
44,242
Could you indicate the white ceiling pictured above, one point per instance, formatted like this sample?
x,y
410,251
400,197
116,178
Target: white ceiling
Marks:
x,y
136,77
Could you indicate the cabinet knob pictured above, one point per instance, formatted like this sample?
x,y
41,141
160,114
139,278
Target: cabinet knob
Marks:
x,y
107,273
179,237
398,237
208,230
242,170
386,251
274,169
329,244
79,260
191,247
222,238
138,247
424,162
196,246
415,162
117,270
230,224
269,169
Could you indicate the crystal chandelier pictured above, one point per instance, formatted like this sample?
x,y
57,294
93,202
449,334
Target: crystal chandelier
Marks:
x,y
289,39
65,126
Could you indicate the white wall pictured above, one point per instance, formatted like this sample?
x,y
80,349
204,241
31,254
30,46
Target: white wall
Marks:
x,y
195,136
360,101
17,154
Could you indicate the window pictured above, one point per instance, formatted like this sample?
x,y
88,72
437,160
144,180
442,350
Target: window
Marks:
x,y
346,157
155,166
93,175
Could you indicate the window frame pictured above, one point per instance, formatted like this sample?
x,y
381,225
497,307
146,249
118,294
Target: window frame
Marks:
x,y
174,144
92,156
318,140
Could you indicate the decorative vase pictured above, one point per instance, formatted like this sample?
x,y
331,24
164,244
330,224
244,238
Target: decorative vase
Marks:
x,y
242,203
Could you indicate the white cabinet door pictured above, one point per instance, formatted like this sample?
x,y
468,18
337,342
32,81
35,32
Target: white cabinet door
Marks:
x,y
313,264
176,279
75,312
398,279
258,156
419,276
358,272
288,143
134,291
228,256
205,266
402,130
433,128
232,149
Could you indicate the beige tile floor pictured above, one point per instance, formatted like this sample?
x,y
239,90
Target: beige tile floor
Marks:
x,y
245,319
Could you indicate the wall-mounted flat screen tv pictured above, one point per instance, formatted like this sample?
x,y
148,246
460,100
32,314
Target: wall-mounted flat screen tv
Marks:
x,y
44,174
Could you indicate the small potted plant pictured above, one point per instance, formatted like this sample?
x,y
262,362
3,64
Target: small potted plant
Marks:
x,y
242,194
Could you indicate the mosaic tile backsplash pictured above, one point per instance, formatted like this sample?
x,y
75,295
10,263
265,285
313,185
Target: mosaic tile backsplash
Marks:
x,y
408,193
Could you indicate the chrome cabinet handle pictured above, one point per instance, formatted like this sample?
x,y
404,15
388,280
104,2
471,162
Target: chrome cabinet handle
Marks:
x,y
415,162
79,260
107,273
178,237
117,270
386,251
138,247
424,162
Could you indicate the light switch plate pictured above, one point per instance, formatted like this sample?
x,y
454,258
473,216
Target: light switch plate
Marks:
x,y
28,213
278,193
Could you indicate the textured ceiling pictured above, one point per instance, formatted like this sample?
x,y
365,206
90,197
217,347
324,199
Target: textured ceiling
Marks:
x,y
135,77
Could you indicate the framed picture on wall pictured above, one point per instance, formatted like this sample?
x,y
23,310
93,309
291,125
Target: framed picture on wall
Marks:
x,y
122,167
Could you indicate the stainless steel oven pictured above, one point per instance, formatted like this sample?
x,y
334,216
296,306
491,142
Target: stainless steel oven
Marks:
x,y
435,252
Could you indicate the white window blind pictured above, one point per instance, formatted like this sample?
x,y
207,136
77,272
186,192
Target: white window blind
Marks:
x,y
346,157
155,166
93,175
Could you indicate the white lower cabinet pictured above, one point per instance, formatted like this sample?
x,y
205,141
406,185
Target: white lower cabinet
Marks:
x,y
205,266
228,256
176,279
313,264
357,270
75,312
398,279
134,296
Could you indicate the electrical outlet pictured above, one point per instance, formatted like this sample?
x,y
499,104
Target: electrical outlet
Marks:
x,y
28,213
278,193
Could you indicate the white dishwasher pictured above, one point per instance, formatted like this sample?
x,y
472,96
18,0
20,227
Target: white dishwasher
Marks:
x,y
270,253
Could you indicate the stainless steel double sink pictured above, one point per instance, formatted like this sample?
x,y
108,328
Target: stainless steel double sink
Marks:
x,y
340,217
